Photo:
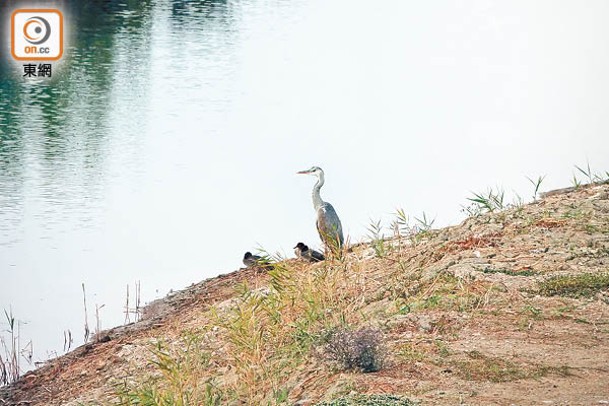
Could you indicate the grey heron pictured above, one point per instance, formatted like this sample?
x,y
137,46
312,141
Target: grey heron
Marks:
x,y
303,251
328,224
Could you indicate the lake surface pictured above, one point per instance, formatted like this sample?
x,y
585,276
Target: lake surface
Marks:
x,y
166,143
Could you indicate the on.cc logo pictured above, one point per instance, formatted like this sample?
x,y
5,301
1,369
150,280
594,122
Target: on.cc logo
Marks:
x,y
36,30
37,34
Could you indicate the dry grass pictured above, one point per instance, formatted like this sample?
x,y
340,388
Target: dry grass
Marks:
x,y
10,351
263,335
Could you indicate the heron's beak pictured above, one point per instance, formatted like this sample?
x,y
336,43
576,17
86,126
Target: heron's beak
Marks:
x,y
303,172
295,247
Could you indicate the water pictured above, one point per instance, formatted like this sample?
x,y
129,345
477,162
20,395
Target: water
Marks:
x,y
167,141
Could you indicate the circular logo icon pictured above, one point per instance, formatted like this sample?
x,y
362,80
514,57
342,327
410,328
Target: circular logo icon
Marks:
x,y
36,30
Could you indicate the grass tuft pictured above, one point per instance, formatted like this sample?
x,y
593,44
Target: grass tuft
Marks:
x,y
179,380
11,351
486,202
536,185
422,227
591,177
377,239
585,285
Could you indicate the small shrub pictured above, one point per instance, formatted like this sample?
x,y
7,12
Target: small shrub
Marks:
x,y
355,350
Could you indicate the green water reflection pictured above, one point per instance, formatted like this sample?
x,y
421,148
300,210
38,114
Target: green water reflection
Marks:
x,y
55,133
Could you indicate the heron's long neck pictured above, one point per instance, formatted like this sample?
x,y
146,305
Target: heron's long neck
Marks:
x,y
317,202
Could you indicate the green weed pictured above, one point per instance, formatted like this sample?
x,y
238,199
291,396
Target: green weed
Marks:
x,y
409,353
485,202
369,400
377,239
585,285
526,272
536,185
591,177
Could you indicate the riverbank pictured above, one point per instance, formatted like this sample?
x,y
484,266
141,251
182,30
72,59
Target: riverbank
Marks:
x,y
510,306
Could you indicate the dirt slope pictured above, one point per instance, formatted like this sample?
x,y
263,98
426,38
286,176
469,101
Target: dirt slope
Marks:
x,y
510,307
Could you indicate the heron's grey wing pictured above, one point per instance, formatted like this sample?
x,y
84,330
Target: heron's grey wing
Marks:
x,y
320,230
335,221
328,222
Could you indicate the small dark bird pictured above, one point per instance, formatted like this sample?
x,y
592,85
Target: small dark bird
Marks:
x,y
302,251
251,260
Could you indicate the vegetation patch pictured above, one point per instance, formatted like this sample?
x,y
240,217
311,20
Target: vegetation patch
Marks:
x,y
251,346
585,285
411,353
520,272
369,400
480,367
441,291
180,380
